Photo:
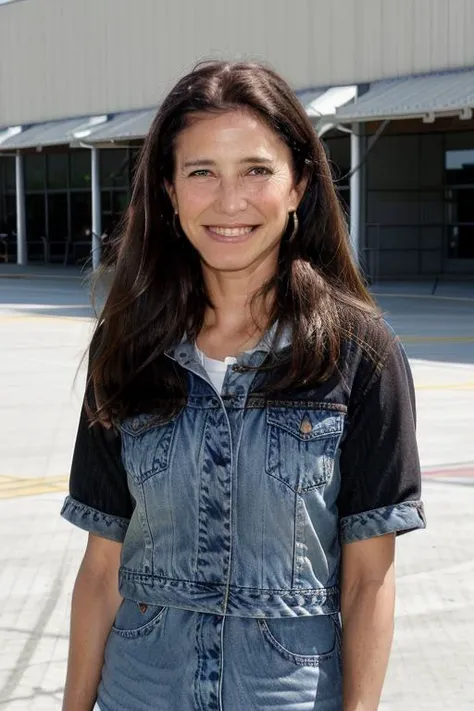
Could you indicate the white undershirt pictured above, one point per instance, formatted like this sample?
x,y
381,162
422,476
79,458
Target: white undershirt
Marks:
x,y
216,369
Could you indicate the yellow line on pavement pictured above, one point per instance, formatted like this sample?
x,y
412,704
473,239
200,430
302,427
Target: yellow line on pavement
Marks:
x,y
13,487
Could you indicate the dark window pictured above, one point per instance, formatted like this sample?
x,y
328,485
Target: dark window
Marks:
x,y
34,172
81,215
10,213
35,226
58,171
459,167
57,217
80,168
114,168
10,174
460,204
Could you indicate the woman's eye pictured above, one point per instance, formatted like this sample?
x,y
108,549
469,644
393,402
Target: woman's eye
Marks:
x,y
259,170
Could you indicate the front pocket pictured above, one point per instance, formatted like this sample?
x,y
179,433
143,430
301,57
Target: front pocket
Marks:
x,y
305,641
136,619
146,445
302,445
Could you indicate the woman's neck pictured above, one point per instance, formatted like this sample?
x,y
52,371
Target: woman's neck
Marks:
x,y
233,324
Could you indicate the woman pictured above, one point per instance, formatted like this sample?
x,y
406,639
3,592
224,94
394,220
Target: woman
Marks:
x,y
246,452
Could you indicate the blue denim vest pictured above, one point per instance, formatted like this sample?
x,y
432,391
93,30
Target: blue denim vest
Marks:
x,y
235,498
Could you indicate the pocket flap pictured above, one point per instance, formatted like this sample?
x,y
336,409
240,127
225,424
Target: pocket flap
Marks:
x,y
306,424
138,424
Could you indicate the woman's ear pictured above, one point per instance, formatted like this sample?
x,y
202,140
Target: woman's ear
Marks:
x,y
297,193
172,195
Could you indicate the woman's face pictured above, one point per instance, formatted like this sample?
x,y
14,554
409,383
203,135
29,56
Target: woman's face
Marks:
x,y
233,189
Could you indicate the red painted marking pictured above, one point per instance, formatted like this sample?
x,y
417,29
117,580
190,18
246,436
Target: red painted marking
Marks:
x,y
462,472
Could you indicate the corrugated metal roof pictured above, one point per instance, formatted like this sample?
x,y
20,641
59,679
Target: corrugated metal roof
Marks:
x,y
412,97
324,102
124,127
53,133
307,96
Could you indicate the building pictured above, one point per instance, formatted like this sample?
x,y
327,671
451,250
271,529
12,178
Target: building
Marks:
x,y
389,87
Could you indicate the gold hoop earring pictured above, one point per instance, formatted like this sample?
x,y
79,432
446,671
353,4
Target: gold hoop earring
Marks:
x,y
295,226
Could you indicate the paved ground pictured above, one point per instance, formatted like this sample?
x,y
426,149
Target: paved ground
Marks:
x,y
44,327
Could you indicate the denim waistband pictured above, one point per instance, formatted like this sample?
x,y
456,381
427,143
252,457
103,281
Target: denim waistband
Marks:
x,y
217,599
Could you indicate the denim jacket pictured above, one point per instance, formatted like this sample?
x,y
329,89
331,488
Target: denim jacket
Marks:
x,y
240,503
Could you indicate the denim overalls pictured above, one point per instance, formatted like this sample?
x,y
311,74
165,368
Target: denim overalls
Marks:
x,y
230,562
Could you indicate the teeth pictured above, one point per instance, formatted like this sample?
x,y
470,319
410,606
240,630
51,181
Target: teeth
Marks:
x,y
231,231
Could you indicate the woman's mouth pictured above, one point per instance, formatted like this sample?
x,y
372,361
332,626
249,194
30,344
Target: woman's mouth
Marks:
x,y
230,234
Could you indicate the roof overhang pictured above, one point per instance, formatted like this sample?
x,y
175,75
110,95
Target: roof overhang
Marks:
x,y
52,133
122,127
425,97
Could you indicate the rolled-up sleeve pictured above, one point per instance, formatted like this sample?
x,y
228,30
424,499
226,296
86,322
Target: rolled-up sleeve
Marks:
x,y
99,500
380,488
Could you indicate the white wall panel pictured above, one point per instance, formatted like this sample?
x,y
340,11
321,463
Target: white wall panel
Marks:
x,y
62,58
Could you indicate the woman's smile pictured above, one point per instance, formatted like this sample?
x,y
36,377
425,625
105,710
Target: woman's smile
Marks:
x,y
232,234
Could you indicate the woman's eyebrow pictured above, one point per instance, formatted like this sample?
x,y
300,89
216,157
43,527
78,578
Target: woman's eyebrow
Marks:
x,y
208,162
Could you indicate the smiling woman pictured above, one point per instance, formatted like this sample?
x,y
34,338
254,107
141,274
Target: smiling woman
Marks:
x,y
240,192
246,451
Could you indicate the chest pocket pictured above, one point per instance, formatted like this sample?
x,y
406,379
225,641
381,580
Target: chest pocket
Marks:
x,y
146,445
302,444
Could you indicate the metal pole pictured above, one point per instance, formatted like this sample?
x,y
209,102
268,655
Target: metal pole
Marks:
x,y
355,190
21,247
96,209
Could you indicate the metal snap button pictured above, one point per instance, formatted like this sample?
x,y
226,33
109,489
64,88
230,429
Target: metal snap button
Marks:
x,y
306,426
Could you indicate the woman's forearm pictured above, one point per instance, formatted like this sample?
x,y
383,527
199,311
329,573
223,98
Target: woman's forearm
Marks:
x,y
95,602
367,615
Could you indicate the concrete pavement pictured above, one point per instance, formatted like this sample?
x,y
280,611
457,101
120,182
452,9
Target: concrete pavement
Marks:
x,y
44,328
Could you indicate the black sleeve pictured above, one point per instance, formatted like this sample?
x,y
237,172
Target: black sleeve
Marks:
x,y
99,500
379,462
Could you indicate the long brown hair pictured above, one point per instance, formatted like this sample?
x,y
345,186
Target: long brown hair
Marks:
x,y
158,293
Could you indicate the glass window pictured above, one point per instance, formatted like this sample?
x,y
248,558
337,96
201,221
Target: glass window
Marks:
x,y
35,216
114,168
120,201
57,225
114,204
106,201
10,211
57,217
35,226
34,171
460,205
57,170
80,168
81,215
459,166
10,174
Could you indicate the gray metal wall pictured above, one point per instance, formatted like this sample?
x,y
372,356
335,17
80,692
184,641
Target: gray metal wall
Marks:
x,y
63,58
405,206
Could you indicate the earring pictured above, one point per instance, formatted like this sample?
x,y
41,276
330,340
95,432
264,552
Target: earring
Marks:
x,y
295,226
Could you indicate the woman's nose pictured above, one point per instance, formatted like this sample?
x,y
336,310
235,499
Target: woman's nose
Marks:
x,y
231,198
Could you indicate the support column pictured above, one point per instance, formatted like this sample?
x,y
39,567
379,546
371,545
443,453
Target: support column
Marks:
x,y
96,209
355,188
21,246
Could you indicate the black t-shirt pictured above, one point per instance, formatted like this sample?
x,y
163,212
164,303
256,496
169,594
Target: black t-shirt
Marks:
x,y
379,461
